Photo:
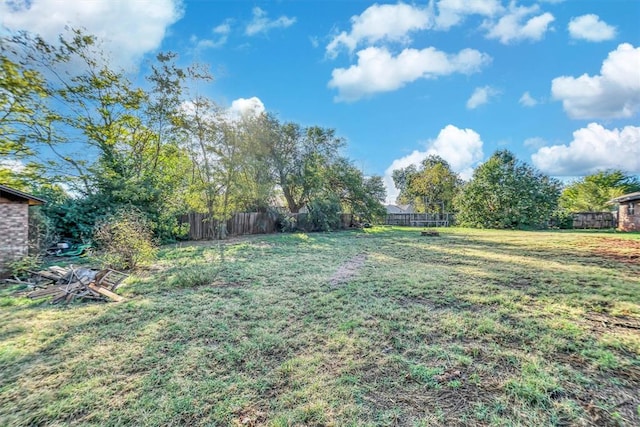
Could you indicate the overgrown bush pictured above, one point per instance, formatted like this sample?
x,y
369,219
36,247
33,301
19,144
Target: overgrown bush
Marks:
x,y
125,239
561,219
324,215
22,266
42,232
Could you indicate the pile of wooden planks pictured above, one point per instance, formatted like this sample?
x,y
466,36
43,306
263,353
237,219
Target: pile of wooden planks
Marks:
x,y
64,285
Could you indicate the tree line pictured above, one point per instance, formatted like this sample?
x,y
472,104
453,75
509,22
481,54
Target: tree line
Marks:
x,y
84,136
505,192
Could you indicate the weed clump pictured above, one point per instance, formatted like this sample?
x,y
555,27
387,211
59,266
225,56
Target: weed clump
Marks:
x,y
125,239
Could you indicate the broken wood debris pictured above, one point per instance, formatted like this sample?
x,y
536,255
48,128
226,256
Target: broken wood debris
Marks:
x,y
67,284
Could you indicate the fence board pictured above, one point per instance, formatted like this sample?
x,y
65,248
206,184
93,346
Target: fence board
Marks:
x,y
596,220
201,227
420,219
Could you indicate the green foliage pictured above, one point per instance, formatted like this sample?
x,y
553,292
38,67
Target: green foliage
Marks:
x,y
299,158
324,215
401,181
75,218
42,231
591,193
143,149
506,193
125,239
22,93
561,219
22,266
430,188
362,196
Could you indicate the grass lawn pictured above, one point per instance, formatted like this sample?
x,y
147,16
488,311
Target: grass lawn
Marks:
x,y
375,327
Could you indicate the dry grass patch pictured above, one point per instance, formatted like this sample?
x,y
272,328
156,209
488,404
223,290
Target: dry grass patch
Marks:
x,y
374,327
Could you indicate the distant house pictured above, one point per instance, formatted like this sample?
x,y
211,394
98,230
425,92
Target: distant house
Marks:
x,y
628,211
14,224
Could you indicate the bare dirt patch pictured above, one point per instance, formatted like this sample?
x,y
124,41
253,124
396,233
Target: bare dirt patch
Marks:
x,y
609,322
621,250
348,270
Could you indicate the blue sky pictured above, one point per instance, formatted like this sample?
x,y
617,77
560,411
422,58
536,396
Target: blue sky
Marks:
x,y
557,82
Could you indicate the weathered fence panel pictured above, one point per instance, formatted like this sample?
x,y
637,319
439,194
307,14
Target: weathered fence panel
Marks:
x,y
420,219
202,227
594,220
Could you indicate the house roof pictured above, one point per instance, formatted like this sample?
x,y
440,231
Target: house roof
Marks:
x,y
626,198
393,209
13,194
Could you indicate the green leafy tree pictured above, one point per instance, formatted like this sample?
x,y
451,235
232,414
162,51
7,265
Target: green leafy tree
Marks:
x,y
299,158
202,133
591,193
106,136
401,179
506,193
23,112
429,188
362,196
257,177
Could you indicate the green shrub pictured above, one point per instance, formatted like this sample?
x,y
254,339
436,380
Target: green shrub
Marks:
x,y
125,239
42,232
561,219
21,267
324,215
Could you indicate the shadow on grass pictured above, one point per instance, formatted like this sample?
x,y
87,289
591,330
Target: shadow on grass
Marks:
x,y
461,329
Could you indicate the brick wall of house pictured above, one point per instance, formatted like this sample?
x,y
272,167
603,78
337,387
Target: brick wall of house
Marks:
x,y
627,221
14,231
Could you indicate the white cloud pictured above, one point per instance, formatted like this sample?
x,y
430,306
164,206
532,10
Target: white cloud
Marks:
x,y
614,93
241,107
527,100
387,22
462,148
593,148
536,142
378,71
129,29
591,28
12,164
224,28
480,96
222,35
262,24
246,106
514,26
452,12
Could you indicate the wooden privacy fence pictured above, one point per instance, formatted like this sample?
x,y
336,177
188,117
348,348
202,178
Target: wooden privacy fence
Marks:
x,y
202,227
420,219
594,220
